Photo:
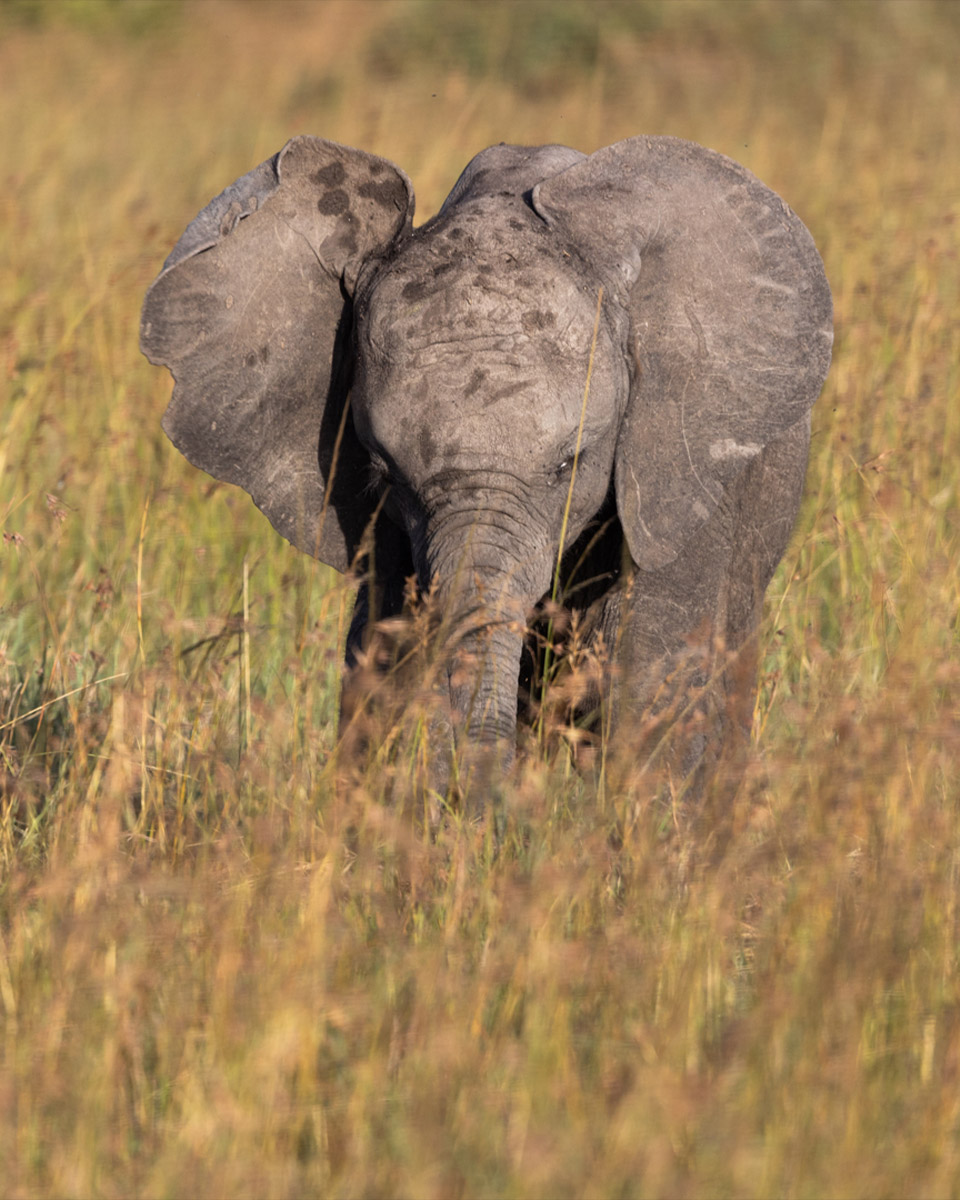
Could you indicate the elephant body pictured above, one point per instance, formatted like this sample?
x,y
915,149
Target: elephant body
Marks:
x,y
586,379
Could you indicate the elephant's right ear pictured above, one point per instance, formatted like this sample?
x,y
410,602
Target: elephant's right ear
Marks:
x,y
251,314
730,316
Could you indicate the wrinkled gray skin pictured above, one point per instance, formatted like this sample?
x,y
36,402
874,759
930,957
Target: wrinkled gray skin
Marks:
x,y
423,390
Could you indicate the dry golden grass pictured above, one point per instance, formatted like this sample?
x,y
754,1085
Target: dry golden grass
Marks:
x,y
230,965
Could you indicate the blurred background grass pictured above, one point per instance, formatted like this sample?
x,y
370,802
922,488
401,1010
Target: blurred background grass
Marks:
x,y
229,964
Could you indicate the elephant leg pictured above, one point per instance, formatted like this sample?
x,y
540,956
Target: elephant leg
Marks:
x,y
686,635
394,699
376,643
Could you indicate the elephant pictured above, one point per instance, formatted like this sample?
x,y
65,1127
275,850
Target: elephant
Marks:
x,y
595,364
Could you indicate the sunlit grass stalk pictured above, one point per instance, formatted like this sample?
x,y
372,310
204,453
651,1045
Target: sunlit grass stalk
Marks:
x,y
143,661
576,454
245,702
43,708
555,590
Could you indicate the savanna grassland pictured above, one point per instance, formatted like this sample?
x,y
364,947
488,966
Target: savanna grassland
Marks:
x,y
232,964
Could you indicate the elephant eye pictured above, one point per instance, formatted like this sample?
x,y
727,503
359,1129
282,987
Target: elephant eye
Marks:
x,y
562,470
377,474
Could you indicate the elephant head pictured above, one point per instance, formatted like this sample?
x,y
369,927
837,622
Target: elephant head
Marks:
x,y
569,336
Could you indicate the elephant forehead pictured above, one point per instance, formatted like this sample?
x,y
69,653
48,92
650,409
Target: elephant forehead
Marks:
x,y
505,297
478,335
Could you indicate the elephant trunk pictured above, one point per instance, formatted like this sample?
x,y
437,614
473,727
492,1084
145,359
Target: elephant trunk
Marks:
x,y
483,673
485,614
489,567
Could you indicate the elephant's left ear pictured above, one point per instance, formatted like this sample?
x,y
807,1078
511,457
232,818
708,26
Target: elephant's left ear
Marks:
x,y
730,316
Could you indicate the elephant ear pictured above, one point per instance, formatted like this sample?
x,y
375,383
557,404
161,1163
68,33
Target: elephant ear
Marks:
x,y
251,313
730,321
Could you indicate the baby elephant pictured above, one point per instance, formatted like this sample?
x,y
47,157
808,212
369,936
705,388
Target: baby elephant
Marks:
x,y
591,373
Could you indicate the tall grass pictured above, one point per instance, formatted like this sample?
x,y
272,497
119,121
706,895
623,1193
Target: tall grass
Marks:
x,y
230,963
